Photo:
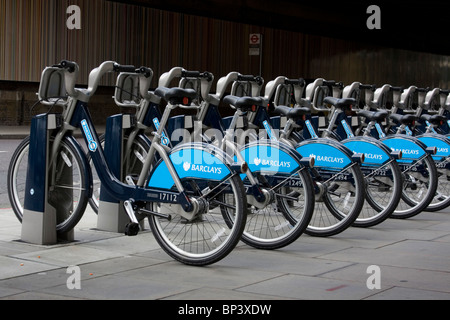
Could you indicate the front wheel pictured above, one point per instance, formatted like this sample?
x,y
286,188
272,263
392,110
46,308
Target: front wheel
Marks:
x,y
68,185
383,192
419,187
209,237
339,200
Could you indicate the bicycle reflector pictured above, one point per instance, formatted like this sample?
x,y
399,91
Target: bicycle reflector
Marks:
x,y
186,101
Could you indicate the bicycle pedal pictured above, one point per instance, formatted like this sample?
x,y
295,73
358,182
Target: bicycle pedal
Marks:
x,y
132,229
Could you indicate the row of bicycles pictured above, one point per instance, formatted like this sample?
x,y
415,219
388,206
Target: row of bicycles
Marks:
x,y
299,158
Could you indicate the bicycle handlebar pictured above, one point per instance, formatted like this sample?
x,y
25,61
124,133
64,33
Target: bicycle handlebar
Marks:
x,y
197,74
259,81
68,65
125,68
398,89
301,82
368,87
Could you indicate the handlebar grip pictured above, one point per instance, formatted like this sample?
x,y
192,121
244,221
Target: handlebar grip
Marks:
x,y
423,89
191,74
125,68
299,81
253,78
147,72
329,82
367,86
197,74
208,76
69,65
444,91
397,88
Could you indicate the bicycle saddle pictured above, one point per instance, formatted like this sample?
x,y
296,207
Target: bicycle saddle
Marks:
x,y
292,113
244,103
403,118
433,119
373,115
176,95
340,103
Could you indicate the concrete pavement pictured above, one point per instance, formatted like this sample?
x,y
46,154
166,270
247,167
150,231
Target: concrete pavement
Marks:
x,y
409,259
412,257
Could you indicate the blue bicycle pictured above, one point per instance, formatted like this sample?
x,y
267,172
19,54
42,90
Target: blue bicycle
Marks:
x,y
417,164
280,198
420,113
381,173
337,176
183,194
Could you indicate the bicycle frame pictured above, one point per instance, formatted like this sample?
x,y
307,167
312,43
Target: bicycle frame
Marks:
x,y
78,116
209,116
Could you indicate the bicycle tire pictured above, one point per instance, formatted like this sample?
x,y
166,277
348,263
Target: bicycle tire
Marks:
x,y
283,220
383,193
214,237
442,198
329,219
67,218
410,206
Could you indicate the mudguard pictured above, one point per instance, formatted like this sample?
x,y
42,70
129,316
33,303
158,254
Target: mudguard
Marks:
x,y
271,157
441,143
192,161
327,153
412,149
375,152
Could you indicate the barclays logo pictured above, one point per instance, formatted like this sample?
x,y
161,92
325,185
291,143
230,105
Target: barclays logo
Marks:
x,y
407,151
272,163
201,168
327,159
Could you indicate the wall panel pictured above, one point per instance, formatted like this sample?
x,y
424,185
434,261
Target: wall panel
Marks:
x,y
33,34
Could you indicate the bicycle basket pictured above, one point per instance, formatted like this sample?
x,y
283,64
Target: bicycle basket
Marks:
x,y
52,89
127,90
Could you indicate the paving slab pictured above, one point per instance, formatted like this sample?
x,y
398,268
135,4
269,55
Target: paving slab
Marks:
x,y
413,256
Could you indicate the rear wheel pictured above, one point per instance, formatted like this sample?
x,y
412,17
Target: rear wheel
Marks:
x,y
419,187
208,237
68,186
339,200
383,192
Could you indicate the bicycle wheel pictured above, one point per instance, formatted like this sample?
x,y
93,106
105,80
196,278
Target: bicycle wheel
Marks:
x,y
419,187
209,237
339,200
68,185
285,218
442,198
383,192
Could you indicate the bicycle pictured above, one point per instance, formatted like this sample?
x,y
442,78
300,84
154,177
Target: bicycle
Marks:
x,y
381,173
424,123
183,204
337,177
271,224
417,165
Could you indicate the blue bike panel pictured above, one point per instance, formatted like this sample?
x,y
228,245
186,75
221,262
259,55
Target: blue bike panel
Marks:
x,y
326,153
411,148
442,145
373,151
267,157
190,163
